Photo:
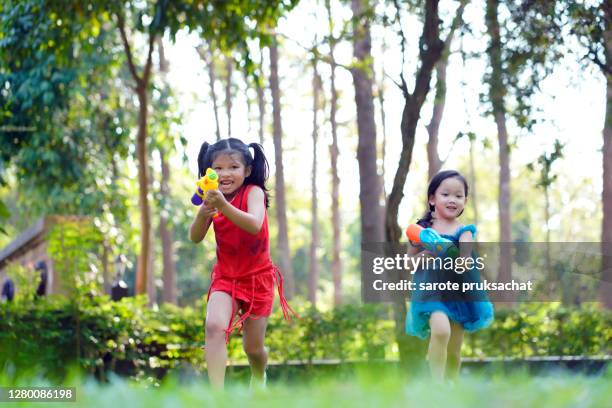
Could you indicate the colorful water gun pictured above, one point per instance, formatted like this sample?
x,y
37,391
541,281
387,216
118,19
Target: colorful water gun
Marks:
x,y
432,241
209,181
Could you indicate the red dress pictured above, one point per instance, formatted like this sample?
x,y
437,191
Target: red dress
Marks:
x,y
244,269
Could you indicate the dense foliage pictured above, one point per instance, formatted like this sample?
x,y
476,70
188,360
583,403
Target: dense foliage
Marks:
x,y
130,339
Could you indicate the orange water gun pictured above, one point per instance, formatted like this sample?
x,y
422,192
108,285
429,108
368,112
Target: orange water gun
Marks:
x,y
432,241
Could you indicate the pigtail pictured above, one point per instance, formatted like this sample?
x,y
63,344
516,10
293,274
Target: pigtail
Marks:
x,y
259,169
427,220
201,158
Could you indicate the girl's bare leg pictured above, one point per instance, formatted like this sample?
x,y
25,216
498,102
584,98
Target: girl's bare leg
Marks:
x,y
438,342
453,361
218,315
253,342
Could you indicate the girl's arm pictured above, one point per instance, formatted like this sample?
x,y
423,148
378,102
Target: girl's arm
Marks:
x,y
415,251
250,221
202,222
466,243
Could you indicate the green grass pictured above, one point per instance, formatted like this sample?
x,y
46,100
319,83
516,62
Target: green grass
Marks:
x,y
386,388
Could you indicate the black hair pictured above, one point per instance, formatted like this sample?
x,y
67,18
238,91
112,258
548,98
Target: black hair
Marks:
x,y
258,162
427,219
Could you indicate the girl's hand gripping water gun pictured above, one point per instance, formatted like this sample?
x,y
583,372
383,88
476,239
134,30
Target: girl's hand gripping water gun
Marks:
x,y
432,241
209,181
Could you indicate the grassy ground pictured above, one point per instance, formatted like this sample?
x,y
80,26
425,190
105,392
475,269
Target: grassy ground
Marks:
x,y
364,389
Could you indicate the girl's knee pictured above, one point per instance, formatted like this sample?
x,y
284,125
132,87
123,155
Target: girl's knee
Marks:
x,y
254,350
440,327
215,328
440,334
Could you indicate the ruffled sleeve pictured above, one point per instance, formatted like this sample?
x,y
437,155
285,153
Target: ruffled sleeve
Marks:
x,y
469,227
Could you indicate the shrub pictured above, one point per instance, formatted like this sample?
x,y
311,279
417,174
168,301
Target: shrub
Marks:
x,y
54,333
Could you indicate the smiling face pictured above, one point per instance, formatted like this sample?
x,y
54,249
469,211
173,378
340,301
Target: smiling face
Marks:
x,y
449,199
231,171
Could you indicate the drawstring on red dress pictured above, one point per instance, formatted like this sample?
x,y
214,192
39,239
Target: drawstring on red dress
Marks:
x,y
240,322
283,301
277,276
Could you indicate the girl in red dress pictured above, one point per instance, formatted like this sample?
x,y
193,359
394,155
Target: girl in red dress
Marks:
x,y
242,286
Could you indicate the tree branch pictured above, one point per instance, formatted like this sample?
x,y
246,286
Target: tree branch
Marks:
x,y
312,50
450,150
128,51
400,31
455,25
395,82
592,55
430,50
147,68
404,87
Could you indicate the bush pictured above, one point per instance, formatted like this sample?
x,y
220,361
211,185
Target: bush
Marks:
x,y
51,334
54,333
544,329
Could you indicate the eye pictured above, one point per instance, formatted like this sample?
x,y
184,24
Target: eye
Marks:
x,y
444,194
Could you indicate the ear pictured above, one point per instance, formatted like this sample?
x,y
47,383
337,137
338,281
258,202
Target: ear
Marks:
x,y
247,171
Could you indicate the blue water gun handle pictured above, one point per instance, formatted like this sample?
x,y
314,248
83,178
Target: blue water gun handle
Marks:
x,y
197,198
437,245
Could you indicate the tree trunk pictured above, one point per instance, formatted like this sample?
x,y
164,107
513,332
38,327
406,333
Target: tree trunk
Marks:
x,y
370,186
433,129
208,57
606,227
335,182
142,83
145,212
229,69
151,288
473,189
167,237
284,253
430,53
261,103
106,280
165,230
383,121
549,273
107,245
497,92
247,99
313,281
505,274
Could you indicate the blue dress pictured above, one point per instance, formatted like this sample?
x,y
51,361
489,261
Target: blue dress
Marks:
x,y
471,314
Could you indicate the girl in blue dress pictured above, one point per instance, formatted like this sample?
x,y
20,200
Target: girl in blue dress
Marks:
x,y
441,316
